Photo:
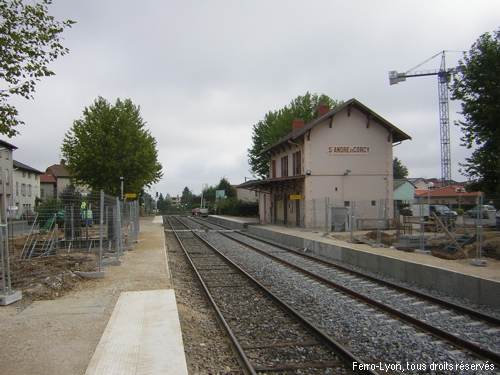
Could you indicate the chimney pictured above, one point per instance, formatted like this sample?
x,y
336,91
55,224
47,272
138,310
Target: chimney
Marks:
x,y
323,109
297,124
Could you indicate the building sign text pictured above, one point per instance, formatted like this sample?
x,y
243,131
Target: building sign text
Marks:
x,y
335,150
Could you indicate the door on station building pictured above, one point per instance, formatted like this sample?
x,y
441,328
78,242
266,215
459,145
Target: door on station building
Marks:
x,y
297,213
285,210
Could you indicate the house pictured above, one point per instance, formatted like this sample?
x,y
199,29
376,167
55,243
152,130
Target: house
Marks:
x,y
56,179
6,175
246,195
26,183
48,186
319,168
453,196
421,183
61,175
403,193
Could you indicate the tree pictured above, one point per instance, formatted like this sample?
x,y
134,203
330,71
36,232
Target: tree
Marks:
x,y
225,185
187,196
108,142
278,123
160,203
477,85
399,170
29,40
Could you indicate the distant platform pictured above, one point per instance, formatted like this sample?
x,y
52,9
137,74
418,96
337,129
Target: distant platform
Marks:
x,y
143,337
235,222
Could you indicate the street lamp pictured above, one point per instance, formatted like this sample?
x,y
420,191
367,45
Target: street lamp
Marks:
x,y
121,185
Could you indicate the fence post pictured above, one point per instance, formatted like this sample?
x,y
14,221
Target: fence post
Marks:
x,y
101,229
118,228
478,261
352,206
7,295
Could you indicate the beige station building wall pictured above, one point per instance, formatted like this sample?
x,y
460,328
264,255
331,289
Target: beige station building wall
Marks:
x,y
351,160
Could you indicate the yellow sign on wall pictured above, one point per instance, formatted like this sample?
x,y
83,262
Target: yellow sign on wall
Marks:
x,y
295,197
130,195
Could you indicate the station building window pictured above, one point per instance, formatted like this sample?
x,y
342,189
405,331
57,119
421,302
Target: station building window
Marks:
x,y
296,163
284,166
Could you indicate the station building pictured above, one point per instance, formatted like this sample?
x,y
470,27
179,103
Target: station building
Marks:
x,y
341,157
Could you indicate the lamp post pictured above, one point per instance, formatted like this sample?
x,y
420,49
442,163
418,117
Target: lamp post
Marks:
x,y
121,186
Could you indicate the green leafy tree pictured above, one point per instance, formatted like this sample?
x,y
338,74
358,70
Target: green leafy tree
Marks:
x,y
399,170
187,196
209,194
108,142
477,86
30,39
225,185
278,123
160,203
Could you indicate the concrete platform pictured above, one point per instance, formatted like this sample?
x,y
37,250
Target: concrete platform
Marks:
x,y
459,278
143,337
158,220
234,222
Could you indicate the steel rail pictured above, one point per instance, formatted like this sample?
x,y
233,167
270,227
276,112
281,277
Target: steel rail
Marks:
x,y
327,339
455,340
242,358
467,310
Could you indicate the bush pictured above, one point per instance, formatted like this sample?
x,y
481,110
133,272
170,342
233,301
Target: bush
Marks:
x,y
234,207
460,211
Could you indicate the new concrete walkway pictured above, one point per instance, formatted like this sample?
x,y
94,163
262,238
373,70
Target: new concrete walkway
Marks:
x,y
454,277
143,337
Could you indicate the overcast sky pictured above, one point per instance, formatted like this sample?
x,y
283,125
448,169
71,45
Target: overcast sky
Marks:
x,y
204,71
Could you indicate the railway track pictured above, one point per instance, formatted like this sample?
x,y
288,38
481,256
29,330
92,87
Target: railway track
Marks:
x,y
465,329
269,336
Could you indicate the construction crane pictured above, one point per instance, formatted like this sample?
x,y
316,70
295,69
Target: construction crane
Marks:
x,y
443,75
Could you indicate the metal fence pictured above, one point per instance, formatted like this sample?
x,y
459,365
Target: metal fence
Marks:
x,y
93,223
451,230
332,215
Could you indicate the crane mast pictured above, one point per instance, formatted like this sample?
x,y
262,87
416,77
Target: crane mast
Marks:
x,y
444,123
443,75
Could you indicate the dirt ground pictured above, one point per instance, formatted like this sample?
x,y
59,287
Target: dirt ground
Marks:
x,y
58,337
50,277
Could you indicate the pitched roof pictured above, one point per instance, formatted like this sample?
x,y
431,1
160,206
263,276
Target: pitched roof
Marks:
x,y
398,134
58,170
400,181
447,191
47,178
7,145
253,183
25,167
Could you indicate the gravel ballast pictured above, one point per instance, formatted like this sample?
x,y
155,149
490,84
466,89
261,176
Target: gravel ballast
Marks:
x,y
369,333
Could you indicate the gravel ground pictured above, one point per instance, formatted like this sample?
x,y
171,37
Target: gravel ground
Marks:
x,y
269,336
369,333
450,298
461,325
205,344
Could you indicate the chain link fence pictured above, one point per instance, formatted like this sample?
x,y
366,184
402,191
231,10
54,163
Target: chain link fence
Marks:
x,y
94,224
448,228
